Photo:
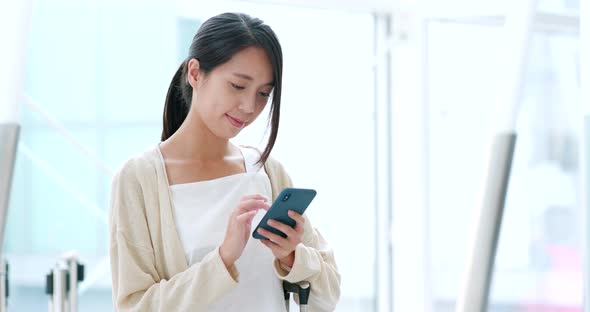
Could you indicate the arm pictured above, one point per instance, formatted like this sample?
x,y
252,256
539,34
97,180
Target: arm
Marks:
x,y
314,263
137,287
137,284
314,259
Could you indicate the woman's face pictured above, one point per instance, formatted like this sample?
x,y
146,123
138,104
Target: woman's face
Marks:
x,y
233,94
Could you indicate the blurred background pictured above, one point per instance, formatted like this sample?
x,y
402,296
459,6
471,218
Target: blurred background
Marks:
x,y
387,112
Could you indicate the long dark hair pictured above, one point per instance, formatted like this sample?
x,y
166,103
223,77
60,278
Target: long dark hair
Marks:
x,y
216,41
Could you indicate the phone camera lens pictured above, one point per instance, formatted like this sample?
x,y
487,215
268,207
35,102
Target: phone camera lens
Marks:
x,y
286,197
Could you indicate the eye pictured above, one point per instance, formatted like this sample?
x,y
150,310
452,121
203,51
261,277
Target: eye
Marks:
x,y
265,94
237,87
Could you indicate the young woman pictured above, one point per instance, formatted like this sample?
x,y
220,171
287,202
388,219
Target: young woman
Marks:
x,y
182,213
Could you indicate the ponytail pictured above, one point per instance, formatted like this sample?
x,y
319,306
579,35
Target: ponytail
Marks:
x,y
177,103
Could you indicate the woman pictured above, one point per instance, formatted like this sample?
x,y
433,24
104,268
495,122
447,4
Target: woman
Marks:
x,y
182,213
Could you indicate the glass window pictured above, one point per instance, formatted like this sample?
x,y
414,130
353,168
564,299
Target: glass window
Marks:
x,y
539,261
102,70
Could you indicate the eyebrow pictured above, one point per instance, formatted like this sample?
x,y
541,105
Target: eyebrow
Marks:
x,y
244,76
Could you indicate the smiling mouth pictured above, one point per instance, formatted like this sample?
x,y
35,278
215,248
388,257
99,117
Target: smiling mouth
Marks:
x,y
235,122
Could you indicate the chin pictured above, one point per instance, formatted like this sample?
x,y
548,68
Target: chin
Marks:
x,y
225,132
228,134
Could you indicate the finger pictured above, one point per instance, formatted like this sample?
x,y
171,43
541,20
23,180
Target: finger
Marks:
x,y
299,228
268,244
272,246
299,221
289,231
247,217
252,204
274,237
254,196
296,216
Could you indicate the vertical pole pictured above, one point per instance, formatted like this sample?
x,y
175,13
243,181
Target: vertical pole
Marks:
x,y
585,142
383,173
474,295
60,288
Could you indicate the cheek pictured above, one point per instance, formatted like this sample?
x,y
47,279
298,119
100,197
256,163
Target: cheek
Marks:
x,y
226,102
208,111
262,103
214,99
216,106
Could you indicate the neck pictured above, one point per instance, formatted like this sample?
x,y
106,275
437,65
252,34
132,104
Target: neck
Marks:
x,y
194,141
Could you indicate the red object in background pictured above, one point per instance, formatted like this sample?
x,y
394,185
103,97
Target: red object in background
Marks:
x,y
561,259
564,258
550,308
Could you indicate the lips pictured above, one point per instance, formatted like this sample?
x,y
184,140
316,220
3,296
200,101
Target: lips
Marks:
x,y
234,121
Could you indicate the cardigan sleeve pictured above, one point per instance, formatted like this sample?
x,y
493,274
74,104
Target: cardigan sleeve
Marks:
x,y
314,259
137,285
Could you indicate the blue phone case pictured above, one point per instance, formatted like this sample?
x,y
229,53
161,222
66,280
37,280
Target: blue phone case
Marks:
x,y
295,199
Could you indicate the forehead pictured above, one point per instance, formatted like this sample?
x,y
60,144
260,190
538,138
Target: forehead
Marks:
x,y
253,62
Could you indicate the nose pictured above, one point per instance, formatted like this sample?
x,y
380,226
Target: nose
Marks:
x,y
248,104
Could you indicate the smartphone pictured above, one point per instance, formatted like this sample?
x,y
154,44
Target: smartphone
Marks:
x,y
295,199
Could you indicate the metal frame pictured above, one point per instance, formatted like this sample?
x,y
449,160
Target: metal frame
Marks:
x,y
383,167
3,285
301,289
61,284
9,134
426,159
585,200
478,277
409,107
543,22
57,288
585,142
14,25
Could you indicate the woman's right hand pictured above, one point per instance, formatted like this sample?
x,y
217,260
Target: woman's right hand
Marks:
x,y
239,227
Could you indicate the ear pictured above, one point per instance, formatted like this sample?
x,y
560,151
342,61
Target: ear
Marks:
x,y
194,72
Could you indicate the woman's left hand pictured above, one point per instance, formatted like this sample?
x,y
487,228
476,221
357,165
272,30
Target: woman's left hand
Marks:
x,y
284,248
